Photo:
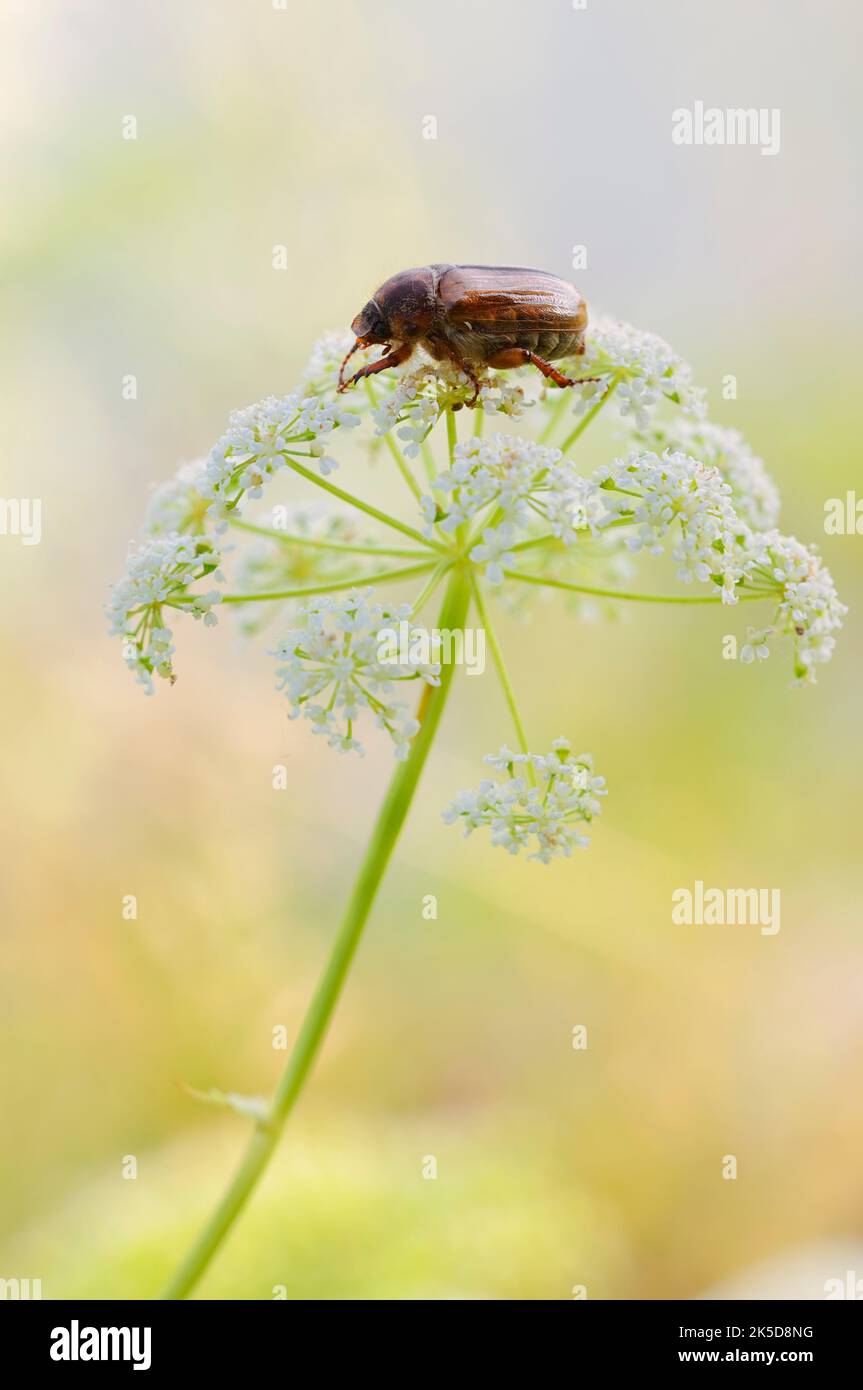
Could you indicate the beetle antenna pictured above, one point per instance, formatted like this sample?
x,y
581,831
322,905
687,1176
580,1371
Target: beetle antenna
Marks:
x,y
360,342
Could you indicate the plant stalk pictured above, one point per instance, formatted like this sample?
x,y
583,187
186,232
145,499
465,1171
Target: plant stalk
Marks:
x,y
344,547
357,581
320,1012
549,583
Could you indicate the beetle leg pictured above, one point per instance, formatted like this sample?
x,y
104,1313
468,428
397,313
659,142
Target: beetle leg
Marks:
x,y
474,381
521,357
392,358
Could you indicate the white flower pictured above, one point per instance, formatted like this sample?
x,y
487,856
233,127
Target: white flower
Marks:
x,y
658,493
332,668
756,647
423,417
809,612
409,405
572,504
321,372
418,397
498,396
526,482
159,571
753,491
646,369
676,494
258,442
326,464
322,417
494,552
545,801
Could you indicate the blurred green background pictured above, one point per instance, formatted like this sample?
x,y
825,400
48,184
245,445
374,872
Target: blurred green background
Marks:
x,y
302,127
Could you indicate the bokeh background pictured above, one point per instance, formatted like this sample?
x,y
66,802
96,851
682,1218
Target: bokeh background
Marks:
x,y
302,126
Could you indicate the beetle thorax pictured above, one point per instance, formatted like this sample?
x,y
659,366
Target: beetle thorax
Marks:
x,y
407,303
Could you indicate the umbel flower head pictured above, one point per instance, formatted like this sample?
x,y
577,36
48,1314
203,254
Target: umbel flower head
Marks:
x,y
809,611
160,574
753,492
509,512
640,369
331,668
675,495
525,484
544,802
257,441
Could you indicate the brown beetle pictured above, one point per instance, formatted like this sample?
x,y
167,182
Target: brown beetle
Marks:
x,y
473,315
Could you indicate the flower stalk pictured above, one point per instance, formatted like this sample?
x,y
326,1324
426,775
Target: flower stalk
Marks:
x,y
390,820
405,572
374,512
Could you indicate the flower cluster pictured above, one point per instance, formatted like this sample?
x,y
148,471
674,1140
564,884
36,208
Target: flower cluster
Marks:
x,y
545,802
715,545
333,666
258,441
411,407
519,483
321,372
656,491
512,506
158,575
641,369
809,612
753,491
419,397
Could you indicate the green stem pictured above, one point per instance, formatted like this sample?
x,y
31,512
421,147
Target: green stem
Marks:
x,y
497,657
451,435
433,580
272,533
482,523
590,415
539,540
313,1031
620,593
363,506
333,587
556,540
394,448
428,461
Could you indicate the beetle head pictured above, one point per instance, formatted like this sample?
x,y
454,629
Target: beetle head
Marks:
x,y
370,326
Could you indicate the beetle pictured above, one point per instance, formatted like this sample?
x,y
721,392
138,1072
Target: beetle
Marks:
x,y
473,316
